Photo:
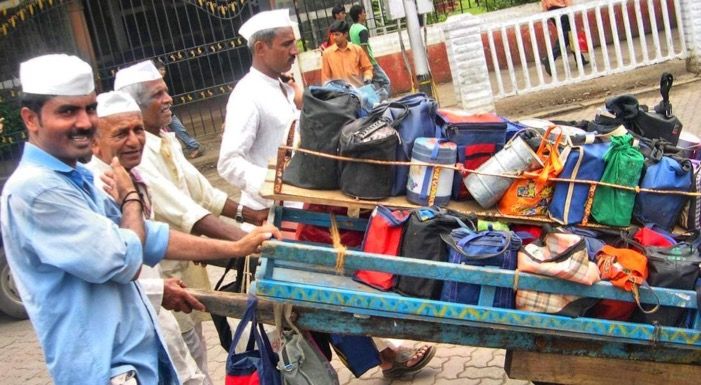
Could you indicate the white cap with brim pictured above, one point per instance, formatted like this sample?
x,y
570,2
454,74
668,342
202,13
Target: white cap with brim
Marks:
x,y
56,74
115,102
145,71
261,21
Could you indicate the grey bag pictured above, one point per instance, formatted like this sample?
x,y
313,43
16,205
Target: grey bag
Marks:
x,y
301,362
324,112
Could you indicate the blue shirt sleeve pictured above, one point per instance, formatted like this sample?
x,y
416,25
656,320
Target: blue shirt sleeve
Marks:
x,y
157,237
70,235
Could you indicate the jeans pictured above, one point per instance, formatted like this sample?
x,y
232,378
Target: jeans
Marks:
x,y
181,133
380,79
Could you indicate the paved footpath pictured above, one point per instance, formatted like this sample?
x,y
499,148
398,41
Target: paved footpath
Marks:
x,y
21,359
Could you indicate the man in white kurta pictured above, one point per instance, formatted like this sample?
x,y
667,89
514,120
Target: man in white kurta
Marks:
x,y
262,106
258,116
120,133
182,196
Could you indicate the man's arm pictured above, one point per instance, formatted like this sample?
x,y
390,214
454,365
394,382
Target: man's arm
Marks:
x,y
127,198
325,68
365,66
183,246
364,37
240,130
256,217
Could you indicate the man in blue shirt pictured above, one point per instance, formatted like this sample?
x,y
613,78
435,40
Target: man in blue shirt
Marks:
x,y
74,253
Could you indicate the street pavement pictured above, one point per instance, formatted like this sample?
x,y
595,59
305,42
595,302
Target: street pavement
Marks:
x,y
22,363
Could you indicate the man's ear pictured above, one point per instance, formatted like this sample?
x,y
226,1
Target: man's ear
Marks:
x,y
31,120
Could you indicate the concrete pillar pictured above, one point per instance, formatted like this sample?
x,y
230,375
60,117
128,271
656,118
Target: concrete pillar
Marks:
x,y
468,66
691,17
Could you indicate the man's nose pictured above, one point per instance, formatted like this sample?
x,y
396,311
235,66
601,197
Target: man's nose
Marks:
x,y
132,139
167,99
84,120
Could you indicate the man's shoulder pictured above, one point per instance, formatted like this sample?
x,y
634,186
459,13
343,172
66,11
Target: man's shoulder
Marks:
x,y
32,179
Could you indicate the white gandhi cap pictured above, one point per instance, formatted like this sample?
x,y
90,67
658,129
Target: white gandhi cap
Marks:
x,y
266,20
137,73
57,74
115,102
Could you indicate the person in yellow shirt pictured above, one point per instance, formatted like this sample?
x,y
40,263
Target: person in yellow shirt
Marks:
x,y
345,60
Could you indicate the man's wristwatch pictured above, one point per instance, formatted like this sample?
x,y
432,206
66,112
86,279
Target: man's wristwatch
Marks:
x,y
239,213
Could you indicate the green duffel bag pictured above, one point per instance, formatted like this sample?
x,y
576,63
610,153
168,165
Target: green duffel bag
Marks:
x,y
624,164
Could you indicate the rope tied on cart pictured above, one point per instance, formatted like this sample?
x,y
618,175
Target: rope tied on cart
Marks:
x,y
337,245
636,189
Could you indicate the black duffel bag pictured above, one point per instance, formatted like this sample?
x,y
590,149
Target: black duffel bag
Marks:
x,y
421,239
657,124
325,111
371,137
673,267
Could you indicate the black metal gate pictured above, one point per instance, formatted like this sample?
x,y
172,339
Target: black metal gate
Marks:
x,y
196,40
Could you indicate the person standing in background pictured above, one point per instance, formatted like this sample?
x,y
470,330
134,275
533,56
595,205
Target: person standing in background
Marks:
x,y
360,35
345,60
551,5
338,13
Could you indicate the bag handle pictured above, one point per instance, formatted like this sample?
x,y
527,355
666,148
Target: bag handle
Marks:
x,y
469,236
636,295
558,257
247,318
281,310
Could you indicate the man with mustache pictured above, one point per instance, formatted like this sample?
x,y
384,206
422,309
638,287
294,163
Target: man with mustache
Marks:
x,y
74,253
261,107
182,196
120,133
258,116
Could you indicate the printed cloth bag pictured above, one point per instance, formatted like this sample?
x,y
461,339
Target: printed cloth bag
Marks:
x,y
484,248
383,236
531,196
690,216
558,255
478,137
301,362
252,367
625,269
624,163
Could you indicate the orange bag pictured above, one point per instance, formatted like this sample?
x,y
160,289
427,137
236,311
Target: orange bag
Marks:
x,y
531,196
626,269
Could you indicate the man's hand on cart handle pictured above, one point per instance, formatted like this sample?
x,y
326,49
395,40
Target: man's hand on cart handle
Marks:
x,y
176,298
251,243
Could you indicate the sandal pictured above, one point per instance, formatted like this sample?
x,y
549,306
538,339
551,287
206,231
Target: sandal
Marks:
x,y
399,365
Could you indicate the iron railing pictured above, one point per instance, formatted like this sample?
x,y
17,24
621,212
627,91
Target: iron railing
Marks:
x,y
196,40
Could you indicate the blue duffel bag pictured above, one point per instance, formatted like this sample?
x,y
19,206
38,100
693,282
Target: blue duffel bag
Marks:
x,y
585,162
666,174
484,248
419,123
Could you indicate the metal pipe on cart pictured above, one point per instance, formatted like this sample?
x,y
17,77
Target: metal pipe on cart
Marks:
x,y
418,51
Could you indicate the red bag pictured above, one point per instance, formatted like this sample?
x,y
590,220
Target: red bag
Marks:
x,y
582,41
311,233
383,236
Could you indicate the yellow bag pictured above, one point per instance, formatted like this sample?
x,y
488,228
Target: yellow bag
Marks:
x,y
531,196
